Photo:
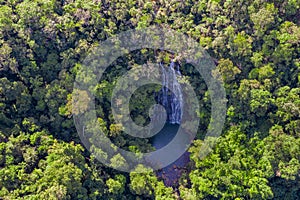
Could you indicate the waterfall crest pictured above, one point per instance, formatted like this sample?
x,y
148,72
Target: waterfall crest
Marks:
x,y
170,96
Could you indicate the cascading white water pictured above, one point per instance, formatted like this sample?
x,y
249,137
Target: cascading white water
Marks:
x,y
170,96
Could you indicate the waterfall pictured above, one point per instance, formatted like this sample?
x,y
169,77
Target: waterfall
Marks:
x,y
170,96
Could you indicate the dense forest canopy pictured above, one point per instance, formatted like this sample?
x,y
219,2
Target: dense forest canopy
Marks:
x,y
255,46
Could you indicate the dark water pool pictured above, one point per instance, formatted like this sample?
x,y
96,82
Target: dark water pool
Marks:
x,y
171,173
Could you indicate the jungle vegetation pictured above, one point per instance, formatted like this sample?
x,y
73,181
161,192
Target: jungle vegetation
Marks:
x,y
256,48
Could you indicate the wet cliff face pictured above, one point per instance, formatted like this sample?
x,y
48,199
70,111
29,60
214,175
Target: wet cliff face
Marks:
x,y
170,96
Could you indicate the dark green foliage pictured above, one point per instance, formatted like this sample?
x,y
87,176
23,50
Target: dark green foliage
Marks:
x,y
255,44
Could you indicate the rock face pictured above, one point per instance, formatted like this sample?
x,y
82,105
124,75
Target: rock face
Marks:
x,y
170,96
